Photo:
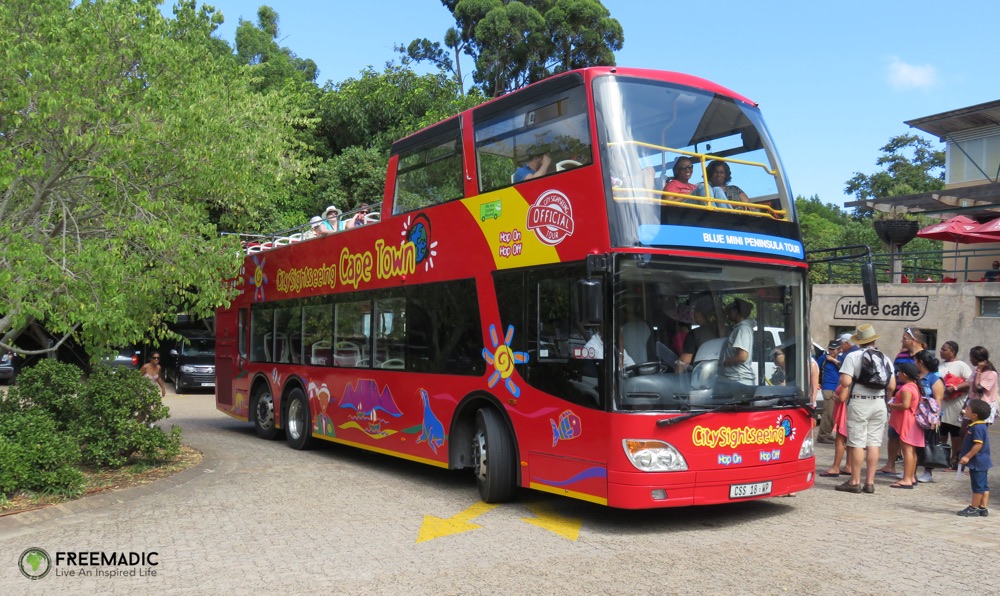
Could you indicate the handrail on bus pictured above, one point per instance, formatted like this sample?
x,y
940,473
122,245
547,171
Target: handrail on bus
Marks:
x,y
709,203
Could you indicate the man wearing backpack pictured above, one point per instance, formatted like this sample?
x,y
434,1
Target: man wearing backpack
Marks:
x,y
866,378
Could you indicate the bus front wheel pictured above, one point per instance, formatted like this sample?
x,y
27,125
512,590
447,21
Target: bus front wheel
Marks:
x,y
298,425
493,457
263,414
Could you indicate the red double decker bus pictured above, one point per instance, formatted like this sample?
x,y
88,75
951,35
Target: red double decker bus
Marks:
x,y
552,297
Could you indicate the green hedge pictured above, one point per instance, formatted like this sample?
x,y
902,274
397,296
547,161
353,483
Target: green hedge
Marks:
x,y
54,420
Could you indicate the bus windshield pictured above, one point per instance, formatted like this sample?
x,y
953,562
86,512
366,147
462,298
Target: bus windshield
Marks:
x,y
692,336
661,141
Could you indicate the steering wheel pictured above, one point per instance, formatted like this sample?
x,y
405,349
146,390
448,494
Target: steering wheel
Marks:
x,y
643,368
567,164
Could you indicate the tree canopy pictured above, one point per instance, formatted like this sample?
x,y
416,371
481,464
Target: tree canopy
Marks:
x,y
909,165
127,141
515,43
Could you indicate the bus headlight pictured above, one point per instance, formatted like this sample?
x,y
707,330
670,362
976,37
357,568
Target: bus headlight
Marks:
x,y
807,444
654,456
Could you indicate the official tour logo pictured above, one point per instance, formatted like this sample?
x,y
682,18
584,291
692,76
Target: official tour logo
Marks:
x,y
551,217
34,563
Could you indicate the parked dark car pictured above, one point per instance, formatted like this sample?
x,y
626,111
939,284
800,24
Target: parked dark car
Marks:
x,y
8,372
190,363
124,358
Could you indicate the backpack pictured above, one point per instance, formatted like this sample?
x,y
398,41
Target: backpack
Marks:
x,y
875,369
928,411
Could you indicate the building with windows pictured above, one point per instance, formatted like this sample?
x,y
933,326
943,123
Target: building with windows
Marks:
x,y
958,303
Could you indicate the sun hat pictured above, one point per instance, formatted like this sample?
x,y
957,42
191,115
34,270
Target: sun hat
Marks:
x,y
864,334
332,208
682,314
315,220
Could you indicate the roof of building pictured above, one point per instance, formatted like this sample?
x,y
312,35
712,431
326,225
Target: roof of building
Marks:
x,y
946,123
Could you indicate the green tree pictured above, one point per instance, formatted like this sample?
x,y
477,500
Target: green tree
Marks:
x,y
909,165
257,45
514,43
126,143
361,117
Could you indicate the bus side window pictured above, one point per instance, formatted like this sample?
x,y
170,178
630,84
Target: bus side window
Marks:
x,y
430,168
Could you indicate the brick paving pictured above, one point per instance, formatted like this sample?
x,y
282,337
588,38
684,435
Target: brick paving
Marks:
x,y
258,517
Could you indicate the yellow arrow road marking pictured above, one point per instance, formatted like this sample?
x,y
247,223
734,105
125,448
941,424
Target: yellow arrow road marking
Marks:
x,y
545,518
436,527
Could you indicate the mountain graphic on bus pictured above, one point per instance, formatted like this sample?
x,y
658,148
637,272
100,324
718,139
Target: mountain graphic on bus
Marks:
x,y
365,398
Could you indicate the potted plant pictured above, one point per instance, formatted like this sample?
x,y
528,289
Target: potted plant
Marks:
x,y
896,228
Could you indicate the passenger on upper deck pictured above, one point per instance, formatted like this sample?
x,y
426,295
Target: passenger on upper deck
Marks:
x,y
315,230
536,167
359,217
331,221
683,168
719,175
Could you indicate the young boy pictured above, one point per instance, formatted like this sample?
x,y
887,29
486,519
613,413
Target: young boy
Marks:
x,y
976,456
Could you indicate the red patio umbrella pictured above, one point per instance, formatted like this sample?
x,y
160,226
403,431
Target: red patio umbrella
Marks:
x,y
958,229
990,229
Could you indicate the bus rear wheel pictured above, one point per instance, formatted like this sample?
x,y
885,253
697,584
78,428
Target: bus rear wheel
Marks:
x,y
263,414
298,422
493,457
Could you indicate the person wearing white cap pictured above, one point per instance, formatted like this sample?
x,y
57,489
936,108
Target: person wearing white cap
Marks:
x,y
315,228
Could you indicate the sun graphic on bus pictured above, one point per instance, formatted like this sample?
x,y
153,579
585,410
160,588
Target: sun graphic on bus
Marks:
x,y
259,278
503,360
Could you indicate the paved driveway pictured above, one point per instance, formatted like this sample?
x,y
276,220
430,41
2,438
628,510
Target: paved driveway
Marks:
x,y
258,517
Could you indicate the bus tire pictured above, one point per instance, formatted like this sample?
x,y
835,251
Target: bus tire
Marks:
x,y
263,414
493,457
298,420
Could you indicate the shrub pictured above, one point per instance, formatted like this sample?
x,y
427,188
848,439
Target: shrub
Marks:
x,y
119,409
35,456
50,386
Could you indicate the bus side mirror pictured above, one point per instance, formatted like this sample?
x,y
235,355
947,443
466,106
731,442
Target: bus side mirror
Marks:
x,y
869,284
590,301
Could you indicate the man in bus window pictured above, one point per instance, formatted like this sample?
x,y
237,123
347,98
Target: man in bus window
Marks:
x,y
736,356
536,167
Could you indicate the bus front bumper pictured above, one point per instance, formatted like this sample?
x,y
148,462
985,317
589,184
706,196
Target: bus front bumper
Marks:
x,y
645,490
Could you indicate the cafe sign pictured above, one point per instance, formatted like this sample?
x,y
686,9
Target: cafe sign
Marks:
x,y
891,308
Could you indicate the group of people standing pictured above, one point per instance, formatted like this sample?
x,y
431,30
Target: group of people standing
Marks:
x,y
856,411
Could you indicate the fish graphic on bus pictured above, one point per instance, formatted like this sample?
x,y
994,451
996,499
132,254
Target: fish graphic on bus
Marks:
x,y
568,427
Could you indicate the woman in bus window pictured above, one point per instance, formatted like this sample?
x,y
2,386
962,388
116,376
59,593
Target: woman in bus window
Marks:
x,y
720,176
683,168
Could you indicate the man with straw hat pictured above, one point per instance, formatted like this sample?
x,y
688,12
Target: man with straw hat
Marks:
x,y
866,410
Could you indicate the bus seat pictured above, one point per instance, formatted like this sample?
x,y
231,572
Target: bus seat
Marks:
x,y
635,338
373,217
346,353
321,352
393,363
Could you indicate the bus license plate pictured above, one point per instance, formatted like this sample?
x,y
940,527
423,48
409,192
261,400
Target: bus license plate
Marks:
x,y
740,491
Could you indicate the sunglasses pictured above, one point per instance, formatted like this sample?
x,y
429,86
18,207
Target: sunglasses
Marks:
x,y
909,331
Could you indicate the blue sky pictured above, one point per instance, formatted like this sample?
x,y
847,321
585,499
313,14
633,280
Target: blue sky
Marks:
x,y
835,81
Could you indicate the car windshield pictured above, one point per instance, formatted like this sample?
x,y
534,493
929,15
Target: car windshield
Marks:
x,y
199,347
691,336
